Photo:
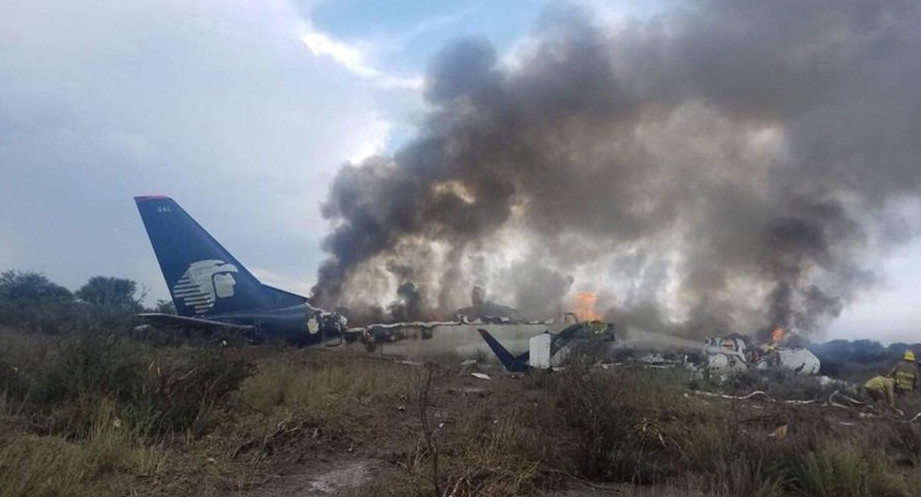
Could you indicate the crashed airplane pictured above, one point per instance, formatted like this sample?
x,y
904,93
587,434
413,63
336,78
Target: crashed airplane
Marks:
x,y
720,356
213,291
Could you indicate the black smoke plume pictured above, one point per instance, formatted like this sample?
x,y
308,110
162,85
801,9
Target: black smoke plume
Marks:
x,y
724,165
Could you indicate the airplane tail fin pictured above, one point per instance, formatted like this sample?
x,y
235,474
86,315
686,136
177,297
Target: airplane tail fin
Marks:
x,y
202,276
512,363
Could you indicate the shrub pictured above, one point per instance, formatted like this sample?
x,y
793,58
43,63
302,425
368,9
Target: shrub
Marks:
x,y
847,471
620,422
62,385
906,438
182,396
49,466
736,464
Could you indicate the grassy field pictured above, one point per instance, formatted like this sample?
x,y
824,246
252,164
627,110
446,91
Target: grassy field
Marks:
x,y
91,414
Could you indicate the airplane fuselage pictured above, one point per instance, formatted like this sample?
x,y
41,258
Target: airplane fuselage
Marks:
x,y
298,324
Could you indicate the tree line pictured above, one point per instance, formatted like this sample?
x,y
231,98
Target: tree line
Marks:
x,y
31,302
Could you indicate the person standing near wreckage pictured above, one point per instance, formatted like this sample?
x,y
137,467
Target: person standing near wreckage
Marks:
x,y
905,374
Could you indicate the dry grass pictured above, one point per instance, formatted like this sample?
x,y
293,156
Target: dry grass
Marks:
x,y
629,431
299,386
32,465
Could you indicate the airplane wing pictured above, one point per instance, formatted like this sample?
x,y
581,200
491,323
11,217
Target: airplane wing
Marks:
x,y
172,320
512,363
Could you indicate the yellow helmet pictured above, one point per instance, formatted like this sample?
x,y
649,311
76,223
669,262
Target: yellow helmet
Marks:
x,y
909,356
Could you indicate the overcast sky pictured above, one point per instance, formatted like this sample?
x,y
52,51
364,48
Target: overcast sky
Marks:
x,y
242,111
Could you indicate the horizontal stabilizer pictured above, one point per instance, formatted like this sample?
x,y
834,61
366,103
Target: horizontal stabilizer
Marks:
x,y
512,363
174,321
282,298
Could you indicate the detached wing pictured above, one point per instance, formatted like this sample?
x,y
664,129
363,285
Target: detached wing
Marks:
x,y
512,363
174,321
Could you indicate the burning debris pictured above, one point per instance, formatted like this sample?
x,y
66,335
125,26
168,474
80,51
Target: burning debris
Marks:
x,y
735,354
586,306
599,342
729,165
410,306
484,311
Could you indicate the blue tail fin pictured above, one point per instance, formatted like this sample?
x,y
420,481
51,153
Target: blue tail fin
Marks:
x,y
512,364
203,278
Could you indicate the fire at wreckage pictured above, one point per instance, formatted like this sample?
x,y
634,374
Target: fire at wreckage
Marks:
x,y
521,345
598,340
214,291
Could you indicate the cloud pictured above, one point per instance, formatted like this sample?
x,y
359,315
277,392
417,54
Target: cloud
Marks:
x,y
354,60
216,103
362,57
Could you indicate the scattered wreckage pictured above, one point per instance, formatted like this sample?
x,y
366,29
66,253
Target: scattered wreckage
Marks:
x,y
734,355
548,350
718,355
521,344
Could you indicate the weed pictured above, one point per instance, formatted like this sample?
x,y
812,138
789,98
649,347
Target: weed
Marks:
x,y
311,387
846,470
61,386
43,466
906,438
619,421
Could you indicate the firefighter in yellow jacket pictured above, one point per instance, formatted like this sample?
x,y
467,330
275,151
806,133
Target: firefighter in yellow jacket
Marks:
x,y
905,373
880,388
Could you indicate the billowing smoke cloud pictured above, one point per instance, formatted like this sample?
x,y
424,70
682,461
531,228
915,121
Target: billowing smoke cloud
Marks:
x,y
724,165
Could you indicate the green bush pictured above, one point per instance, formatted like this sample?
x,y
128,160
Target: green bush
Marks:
x,y
61,385
906,438
182,396
32,466
847,471
736,464
619,421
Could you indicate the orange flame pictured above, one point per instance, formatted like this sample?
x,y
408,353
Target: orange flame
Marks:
x,y
585,306
777,336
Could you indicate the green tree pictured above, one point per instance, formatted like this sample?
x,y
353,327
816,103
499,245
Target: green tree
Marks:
x,y
110,292
30,301
30,287
165,307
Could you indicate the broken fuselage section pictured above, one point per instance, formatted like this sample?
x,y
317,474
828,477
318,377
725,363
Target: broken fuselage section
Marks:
x,y
729,355
548,350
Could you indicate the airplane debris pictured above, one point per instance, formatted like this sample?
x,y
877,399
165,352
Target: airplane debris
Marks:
x,y
485,311
733,354
780,433
766,397
830,402
547,350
